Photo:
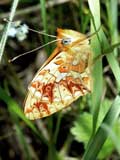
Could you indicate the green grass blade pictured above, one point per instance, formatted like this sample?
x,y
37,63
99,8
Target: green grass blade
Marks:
x,y
44,22
112,60
97,68
59,118
5,33
97,142
113,136
23,142
43,14
112,12
19,134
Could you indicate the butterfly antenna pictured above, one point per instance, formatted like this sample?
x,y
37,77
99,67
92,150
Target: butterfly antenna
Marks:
x,y
42,32
91,35
33,50
94,33
33,30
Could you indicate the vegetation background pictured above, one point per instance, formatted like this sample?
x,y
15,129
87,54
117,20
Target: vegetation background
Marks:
x,y
90,128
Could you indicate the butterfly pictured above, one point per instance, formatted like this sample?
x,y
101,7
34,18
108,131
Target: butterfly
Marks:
x,y
63,78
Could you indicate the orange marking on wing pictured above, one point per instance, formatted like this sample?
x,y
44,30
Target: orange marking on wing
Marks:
x,y
35,84
63,68
42,106
73,85
48,91
79,67
38,86
86,79
28,110
67,67
43,72
58,62
64,83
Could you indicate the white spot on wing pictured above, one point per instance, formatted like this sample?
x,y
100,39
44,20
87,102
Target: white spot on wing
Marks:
x,y
38,94
51,66
61,76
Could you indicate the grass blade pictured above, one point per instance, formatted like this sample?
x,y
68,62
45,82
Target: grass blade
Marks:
x,y
44,21
5,33
112,12
112,60
97,68
115,139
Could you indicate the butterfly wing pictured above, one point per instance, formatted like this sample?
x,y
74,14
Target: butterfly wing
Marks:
x,y
59,82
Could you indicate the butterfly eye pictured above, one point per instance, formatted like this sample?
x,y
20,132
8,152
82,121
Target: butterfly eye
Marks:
x,y
66,41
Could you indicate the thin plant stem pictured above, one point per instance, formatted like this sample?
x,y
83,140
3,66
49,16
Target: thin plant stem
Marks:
x,y
5,33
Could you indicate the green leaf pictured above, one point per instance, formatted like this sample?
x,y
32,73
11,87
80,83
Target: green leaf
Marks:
x,y
82,128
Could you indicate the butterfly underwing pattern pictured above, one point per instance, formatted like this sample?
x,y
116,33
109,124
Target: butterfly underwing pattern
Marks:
x,y
63,78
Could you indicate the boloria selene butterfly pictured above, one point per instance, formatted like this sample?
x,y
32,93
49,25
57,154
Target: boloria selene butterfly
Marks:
x,y
63,78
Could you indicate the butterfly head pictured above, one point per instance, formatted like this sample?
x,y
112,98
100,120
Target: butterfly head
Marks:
x,y
69,37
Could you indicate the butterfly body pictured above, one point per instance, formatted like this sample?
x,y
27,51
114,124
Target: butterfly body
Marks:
x,y
63,78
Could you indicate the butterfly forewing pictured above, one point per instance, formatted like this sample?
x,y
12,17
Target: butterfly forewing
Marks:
x,y
62,79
